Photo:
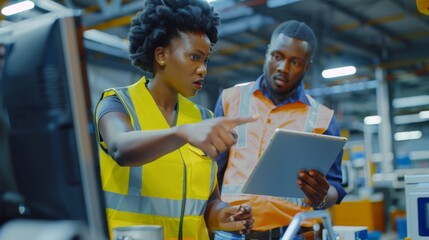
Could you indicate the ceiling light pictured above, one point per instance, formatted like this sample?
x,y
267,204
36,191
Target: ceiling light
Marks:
x,y
424,114
411,101
338,72
278,3
106,39
372,120
407,119
400,119
17,8
411,135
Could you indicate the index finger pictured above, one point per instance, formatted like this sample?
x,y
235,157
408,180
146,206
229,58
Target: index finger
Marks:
x,y
315,173
233,226
235,121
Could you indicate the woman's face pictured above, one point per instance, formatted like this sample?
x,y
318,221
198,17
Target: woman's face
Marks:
x,y
186,62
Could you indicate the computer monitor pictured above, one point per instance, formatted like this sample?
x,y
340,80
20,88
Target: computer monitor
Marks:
x,y
47,110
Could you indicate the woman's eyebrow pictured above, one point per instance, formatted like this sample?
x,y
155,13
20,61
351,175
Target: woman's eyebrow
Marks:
x,y
201,52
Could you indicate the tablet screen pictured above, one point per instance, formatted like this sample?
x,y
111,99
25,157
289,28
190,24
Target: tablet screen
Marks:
x,y
287,153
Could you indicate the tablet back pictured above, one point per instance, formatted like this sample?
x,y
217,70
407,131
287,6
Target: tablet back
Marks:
x,y
288,152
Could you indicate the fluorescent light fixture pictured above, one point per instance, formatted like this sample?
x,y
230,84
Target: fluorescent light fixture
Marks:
x,y
411,135
424,114
106,39
411,101
338,72
399,120
17,8
278,3
407,119
372,120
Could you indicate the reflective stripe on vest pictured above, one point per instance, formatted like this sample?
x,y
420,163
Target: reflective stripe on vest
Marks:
x,y
153,206
310,123
244,110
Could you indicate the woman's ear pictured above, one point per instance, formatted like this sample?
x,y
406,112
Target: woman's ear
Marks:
x,y
160,56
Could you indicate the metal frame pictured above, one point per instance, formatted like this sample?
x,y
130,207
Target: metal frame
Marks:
x,y
295,225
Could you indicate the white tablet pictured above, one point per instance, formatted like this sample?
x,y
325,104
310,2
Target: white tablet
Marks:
x,y
288,152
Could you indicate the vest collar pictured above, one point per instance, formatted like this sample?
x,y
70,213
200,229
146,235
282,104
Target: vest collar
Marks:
x,y
298,96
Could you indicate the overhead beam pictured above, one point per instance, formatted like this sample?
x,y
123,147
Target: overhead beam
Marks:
x,y
337,40
411,12
127,9
52,6
414,54
252,22
117,22
363,20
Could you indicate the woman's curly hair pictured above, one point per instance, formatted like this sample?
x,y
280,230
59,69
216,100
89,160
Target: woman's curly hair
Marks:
x,y
161,20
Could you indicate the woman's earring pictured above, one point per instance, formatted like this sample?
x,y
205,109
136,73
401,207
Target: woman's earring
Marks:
x,y
162,63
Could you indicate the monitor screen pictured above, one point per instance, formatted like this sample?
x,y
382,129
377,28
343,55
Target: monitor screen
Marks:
x,y
8,189
47,111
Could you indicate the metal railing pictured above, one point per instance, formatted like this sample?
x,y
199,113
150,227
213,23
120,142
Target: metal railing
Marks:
x,y
295,225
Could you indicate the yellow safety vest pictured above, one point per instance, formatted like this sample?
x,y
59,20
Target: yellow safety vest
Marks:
x,y
171,191
268,212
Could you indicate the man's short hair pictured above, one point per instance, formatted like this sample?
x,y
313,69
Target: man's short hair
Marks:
x,y
298,30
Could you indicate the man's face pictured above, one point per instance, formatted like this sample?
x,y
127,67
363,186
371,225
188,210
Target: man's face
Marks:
x,y
286,62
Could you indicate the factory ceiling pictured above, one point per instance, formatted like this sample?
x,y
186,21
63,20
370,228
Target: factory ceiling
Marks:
x,y
387,38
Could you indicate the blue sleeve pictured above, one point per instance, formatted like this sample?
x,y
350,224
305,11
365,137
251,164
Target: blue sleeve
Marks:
x,y
222,160
334,175
218,111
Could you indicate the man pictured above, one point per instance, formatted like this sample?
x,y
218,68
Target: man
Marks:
x,y
280,99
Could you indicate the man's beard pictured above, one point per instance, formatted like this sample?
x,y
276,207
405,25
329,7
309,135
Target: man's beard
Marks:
x,y
276,95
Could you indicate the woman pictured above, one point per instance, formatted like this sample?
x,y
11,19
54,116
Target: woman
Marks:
x,y
155,146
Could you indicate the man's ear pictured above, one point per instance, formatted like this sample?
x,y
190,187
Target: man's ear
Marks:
x,y
268,50
309,64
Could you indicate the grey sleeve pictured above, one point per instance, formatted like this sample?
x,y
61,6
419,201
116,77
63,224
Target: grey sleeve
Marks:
x,y
110,104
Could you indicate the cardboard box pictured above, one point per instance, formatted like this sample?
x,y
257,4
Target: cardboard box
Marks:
x,y
348,233
360,213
